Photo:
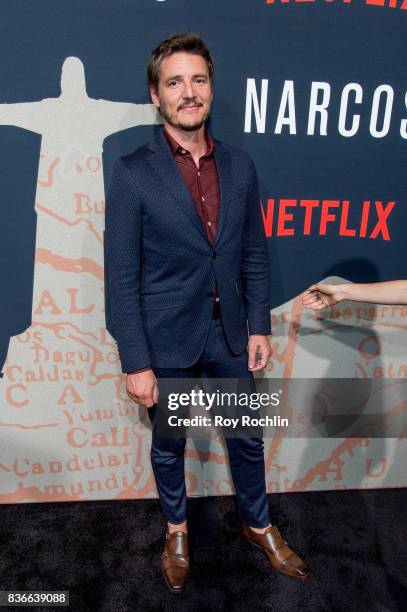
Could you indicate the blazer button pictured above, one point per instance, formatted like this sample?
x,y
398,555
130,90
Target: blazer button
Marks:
x,y
214,255
210,294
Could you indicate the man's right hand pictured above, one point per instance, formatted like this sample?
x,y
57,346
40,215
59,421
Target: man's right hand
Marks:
x,y
142,388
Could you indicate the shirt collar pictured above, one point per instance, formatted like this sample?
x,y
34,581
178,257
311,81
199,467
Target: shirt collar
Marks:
x,y
176,148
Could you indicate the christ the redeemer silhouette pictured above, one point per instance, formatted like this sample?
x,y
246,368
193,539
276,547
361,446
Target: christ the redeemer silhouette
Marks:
x,y
73,127
74,119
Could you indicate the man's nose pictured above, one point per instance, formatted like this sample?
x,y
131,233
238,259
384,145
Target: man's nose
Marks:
x,y
188,90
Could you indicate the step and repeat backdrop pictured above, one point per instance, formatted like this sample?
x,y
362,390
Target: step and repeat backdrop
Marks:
x,y
315,91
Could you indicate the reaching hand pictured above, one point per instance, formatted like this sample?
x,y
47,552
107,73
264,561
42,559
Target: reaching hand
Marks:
x,y
321,295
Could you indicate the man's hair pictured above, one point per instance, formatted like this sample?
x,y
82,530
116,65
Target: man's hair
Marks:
x,y
189,42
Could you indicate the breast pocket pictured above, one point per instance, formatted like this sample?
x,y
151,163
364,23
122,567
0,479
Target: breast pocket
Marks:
x,y
162,300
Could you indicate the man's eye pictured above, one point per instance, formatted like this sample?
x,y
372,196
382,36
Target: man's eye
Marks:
x,y
172,83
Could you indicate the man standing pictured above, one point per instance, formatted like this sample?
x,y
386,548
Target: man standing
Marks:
x,y
187,275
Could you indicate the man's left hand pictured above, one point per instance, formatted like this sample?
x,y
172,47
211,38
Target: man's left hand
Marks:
x,y
259,352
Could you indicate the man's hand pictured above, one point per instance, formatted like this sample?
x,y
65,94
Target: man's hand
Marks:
x,y
322,295
142,388
259,352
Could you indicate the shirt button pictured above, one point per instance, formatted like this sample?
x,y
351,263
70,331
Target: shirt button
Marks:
x,y
203,199
183,151
199,174
209,223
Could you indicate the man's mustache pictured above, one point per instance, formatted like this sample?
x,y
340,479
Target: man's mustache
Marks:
x,y
189,103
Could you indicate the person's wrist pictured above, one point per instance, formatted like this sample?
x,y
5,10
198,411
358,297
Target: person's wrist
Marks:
x,y
259,334
342,292
146,369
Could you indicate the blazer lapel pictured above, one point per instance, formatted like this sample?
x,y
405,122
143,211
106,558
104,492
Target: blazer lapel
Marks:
x,y
224,168
165,165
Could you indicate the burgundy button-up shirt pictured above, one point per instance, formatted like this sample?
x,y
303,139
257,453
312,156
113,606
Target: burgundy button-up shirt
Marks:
x,y
203,184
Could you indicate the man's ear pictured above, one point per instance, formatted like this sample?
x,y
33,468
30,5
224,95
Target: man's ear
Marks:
x,y
154,97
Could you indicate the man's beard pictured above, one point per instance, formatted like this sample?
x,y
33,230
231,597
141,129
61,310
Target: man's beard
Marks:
x,y
188,127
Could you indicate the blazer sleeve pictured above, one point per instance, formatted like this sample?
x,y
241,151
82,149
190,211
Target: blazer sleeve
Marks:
x,y
255,262
122,252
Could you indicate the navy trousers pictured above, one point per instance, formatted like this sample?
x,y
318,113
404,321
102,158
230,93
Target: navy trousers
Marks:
x,y
246,455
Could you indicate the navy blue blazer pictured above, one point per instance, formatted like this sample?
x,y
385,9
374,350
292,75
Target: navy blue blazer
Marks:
x,y
160,266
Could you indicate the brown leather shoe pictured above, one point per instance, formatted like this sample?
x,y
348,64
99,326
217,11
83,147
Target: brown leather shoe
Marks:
x,y
175,561
281,557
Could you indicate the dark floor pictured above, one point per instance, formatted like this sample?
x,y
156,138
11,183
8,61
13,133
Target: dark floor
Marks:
x,y
106,553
